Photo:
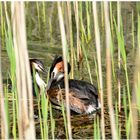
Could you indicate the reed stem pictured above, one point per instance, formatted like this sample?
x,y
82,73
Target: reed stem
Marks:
x,y
23,77
108,73
64,48
98,48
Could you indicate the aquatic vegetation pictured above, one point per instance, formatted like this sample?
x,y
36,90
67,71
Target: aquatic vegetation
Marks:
x,y
101,42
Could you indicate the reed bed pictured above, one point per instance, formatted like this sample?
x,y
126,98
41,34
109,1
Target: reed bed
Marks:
x,y
100,42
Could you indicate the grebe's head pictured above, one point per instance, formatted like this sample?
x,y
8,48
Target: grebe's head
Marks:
x,y
37,65
57,68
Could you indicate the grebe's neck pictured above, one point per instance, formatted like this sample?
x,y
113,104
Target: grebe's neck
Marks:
x,y
59,76
39,81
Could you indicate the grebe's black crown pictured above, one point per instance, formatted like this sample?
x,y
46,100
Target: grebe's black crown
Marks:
x,y
38,62
56,60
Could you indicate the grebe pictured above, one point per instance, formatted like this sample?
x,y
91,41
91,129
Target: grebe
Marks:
x,y
37,66
83,96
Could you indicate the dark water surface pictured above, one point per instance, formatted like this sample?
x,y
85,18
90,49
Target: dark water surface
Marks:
x,y
44,43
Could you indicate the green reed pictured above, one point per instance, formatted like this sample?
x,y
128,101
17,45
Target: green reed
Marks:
x,y
38,16
64,117
125,110
138,96
80,32
52,123
45,107
84,41
112,42
122,49
97,132
2,23
88,17
11,55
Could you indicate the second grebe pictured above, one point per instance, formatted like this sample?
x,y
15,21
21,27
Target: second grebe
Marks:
x,y
37,66
83,96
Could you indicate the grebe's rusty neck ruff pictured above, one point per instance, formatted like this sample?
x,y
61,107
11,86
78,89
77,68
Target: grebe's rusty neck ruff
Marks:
x,y
58,66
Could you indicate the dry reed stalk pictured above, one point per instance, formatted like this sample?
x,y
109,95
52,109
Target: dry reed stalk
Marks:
x,y
119,54
23,77
4,123
134,111
65,52
66,20
108,73
98,48
71,38
79,51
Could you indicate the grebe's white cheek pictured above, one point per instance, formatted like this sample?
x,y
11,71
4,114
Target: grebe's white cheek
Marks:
x,y
55,71
36,67
60,76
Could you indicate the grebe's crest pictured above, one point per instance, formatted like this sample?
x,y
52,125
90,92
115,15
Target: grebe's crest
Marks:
x,y
58,66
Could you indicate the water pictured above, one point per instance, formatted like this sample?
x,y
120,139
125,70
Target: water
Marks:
x,y
44,42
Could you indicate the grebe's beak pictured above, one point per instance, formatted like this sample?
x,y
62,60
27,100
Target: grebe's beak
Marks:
x,y
44,70
49,84
56,78
41,68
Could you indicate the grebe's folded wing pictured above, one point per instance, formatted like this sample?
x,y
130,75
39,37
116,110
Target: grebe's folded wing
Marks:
x,y
57,97
83,88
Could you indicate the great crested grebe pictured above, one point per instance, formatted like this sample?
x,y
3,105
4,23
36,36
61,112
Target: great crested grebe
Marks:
x,y
37,66
83,96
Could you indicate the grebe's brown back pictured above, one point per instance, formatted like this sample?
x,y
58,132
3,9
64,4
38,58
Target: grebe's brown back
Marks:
x,y
83,96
